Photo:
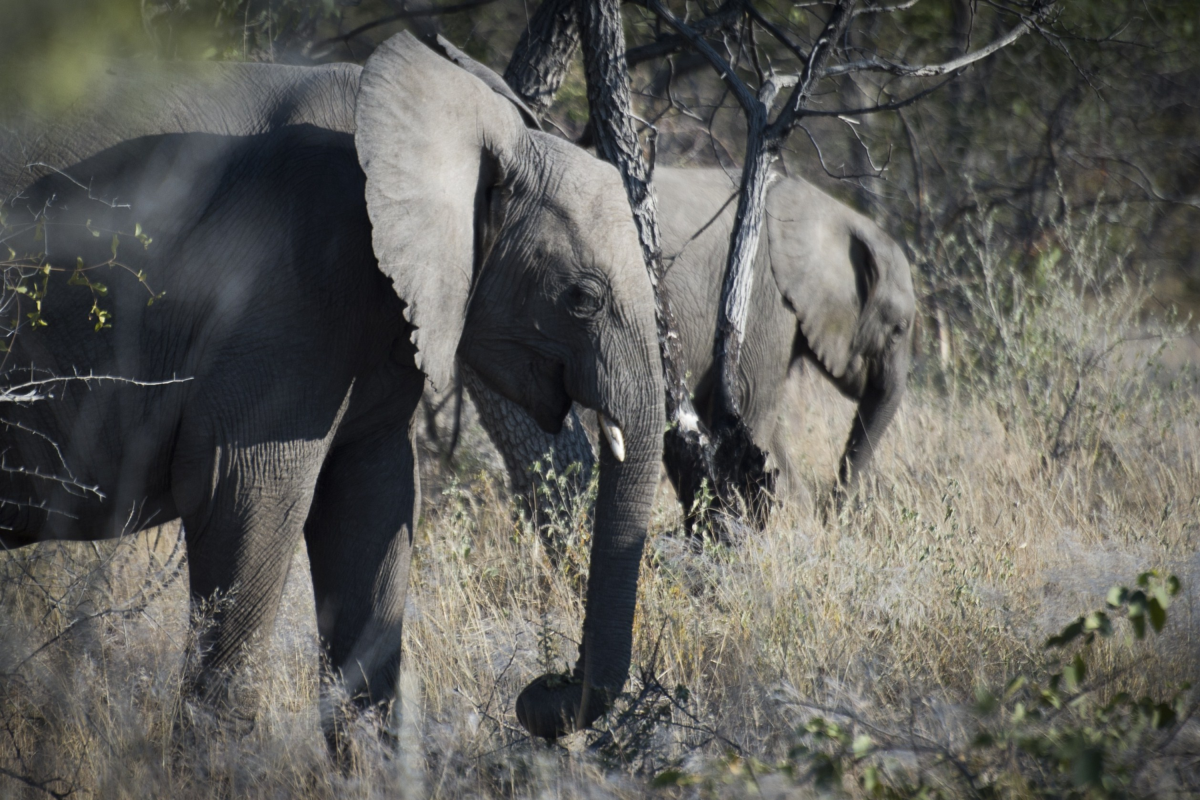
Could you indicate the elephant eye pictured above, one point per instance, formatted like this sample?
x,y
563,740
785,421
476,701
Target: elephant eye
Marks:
x,y
583,300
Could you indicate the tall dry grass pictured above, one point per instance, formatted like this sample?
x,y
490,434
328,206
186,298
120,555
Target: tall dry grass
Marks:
x,y
1054,453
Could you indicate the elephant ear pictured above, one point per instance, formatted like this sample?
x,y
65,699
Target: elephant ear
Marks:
x,y
824,267
489,77
431,139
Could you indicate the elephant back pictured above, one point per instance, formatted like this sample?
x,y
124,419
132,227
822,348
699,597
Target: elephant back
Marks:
x,y
128,100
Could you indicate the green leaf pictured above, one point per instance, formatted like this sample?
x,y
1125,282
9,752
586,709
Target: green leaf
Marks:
x,y
1075,672
1158,614
1164,717
1117,596
870,780
1163,595
1014,686
1099,622
1067,635
862,745
1139,626
1173,585
985,702
668,777
115,243
1137,604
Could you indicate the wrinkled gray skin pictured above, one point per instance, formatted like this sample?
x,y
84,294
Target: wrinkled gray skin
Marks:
x,y
327,240
830,287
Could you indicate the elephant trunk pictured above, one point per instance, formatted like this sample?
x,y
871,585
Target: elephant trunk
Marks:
x,y
880,399
554,705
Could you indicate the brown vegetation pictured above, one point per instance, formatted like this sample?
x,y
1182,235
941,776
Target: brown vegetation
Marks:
x,y
1055,453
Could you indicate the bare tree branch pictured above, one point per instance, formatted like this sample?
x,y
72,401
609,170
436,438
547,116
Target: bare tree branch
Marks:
x,y
721,19
41,787
886,9
876,64
745,97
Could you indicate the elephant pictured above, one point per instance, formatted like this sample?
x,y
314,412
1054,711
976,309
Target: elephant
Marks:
x,y
288,256
830,288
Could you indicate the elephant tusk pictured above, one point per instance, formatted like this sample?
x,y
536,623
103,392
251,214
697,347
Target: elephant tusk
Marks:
x,y
612,435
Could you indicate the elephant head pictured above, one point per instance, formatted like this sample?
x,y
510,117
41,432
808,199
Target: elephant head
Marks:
x,y
855,322
517,252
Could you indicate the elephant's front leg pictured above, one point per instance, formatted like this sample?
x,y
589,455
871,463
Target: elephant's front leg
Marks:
x,y
241,531
359,536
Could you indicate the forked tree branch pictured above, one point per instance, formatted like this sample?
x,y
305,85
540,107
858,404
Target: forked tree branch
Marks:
x,y
875,64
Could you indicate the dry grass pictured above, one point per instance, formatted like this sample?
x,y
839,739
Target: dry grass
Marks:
x,y
988,524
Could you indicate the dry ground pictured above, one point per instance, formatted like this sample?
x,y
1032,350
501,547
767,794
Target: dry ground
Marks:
x,y
1001,508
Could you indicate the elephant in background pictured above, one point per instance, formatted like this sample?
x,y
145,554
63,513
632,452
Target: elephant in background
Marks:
x,y
321,242
830,287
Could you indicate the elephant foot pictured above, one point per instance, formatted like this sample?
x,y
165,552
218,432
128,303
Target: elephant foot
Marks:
x,y
553,706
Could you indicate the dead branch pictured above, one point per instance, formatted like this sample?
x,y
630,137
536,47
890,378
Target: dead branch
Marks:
x,y
876,64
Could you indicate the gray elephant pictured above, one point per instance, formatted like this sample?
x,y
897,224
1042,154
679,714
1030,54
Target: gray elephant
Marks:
x,y
321,242
830,287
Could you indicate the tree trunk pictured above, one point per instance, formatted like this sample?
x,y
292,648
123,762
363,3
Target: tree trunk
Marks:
x,y
687,449
539,64
739,271
549,492
536,71
742,463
